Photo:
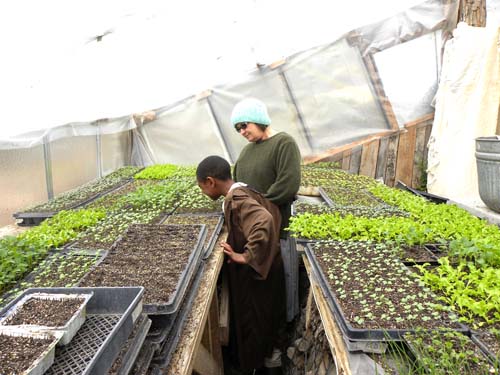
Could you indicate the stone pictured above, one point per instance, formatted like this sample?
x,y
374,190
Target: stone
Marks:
x,y
304,345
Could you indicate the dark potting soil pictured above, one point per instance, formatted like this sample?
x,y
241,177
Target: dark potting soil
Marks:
x,y
149,255
210,221
45,312
17,353
417,254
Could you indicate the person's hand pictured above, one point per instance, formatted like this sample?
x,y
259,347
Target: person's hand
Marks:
x,y
233,256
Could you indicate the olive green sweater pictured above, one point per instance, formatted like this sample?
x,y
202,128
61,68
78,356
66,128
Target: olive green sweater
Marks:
x,y
272,167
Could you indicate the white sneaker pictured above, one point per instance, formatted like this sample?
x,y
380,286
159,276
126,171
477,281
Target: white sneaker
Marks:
x,y
274,360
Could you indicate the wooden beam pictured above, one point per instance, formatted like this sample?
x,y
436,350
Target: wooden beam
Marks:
x,y
369,155
421,122
382,98
184,358
332,331
473,12
333,151
309,305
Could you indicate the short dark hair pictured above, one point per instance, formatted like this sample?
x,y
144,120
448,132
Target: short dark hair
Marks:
x,y
213,166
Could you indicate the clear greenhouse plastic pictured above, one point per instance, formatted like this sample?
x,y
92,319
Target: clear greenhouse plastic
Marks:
x,y
325,96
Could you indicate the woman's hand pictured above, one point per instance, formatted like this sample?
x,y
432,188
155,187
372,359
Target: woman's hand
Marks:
x,y
233,256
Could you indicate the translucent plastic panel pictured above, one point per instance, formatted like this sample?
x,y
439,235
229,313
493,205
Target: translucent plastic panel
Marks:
x,y
74,162
184,134
115,151
335,95
409,73
23,181
272,90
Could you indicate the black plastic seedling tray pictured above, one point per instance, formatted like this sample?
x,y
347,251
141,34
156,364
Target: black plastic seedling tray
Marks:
x,y
185,278
111,314
208,248
357,334
36,217
161,325
162,359
213,238
134,345
494,359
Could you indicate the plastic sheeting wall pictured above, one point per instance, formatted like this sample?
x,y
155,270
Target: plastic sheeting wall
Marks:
x,y
73,161
410,75
115,151
184,134
22,182
334,95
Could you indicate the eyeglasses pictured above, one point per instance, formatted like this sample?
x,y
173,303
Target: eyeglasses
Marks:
x,y
240,125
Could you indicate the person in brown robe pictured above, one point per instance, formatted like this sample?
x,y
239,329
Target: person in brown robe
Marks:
x,y
254,266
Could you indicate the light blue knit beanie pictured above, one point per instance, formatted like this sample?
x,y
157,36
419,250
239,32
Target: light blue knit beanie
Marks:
x,y
250,110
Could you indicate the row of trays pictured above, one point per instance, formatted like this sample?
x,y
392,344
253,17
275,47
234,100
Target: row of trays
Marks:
x,y
35,218
157,333
365,337
87,344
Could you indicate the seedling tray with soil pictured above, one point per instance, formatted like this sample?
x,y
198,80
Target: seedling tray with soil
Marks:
x,y
488,340
130,350
25,352
213,222
78,197
372,294
60,269
416,254
162,258
48,312
447,352
111,315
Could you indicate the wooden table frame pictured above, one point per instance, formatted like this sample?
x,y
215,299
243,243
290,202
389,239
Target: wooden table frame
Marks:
x,y
199,347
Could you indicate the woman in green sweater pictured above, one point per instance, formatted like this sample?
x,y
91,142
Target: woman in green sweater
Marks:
x,y
270,163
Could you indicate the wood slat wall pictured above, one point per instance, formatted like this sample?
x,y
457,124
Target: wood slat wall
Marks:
x,y
394,155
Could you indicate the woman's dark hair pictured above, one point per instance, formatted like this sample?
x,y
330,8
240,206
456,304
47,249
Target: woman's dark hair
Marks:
x,y
213,166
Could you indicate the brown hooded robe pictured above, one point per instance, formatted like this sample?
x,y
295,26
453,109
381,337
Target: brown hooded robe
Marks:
x,y
257,289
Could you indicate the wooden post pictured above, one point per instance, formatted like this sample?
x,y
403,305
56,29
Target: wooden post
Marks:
x,y
369,157
473,12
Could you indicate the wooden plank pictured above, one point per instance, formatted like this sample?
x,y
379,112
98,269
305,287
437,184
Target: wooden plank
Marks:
x,y
382,98
346,160
224,311
406,153
213,322
355,159
333,151
419,165
421,122
473,12
204,363
382,158
369,156
392,157
332,331
309,306
183,359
